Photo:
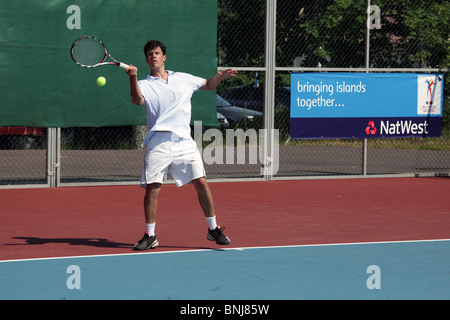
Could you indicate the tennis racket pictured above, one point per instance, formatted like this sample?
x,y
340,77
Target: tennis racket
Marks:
x,y
90,52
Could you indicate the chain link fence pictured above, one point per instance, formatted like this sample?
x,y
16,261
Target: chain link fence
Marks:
x,y
23,156
311,36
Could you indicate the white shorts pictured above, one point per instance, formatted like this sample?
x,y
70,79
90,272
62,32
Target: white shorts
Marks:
x,y
166,151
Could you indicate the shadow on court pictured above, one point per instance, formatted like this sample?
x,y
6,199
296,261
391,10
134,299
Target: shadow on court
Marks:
x,y
95,242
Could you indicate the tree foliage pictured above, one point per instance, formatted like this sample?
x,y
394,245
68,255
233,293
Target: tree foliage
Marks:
x,y
331,33
413,33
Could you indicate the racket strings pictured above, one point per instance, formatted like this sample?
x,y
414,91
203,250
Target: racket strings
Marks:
x,y
88,52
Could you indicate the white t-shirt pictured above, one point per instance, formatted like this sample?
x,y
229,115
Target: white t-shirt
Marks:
x,y
169,102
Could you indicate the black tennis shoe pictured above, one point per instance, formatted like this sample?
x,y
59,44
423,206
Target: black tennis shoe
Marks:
x,y
146,243
218,236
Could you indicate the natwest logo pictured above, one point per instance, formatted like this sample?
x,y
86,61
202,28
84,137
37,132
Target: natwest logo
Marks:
x,y
406,127
371,129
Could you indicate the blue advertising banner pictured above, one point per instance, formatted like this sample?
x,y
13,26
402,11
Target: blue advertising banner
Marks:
x,y
366,105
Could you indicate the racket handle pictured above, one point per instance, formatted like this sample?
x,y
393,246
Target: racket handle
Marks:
x,y
123,65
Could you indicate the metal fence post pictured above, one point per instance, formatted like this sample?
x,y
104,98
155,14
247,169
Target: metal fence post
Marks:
x,y
53,156
269,88
367,65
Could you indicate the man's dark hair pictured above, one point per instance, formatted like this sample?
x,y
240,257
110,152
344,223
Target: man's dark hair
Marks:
x,y
153,44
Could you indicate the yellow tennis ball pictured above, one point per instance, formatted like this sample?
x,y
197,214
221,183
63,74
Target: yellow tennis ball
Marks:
x,y
101,81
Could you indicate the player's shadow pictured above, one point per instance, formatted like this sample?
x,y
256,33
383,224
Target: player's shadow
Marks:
x,y
92,242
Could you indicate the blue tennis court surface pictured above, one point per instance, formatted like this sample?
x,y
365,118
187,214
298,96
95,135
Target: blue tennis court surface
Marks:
x,y
385,270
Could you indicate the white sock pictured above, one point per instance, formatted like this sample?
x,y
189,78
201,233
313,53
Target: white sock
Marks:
x,y
211,222
151,228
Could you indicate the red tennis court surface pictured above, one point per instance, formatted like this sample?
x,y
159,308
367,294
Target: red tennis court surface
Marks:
x,y
73,221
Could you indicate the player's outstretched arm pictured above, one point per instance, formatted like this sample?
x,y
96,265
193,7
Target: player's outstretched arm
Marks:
x,y
214,81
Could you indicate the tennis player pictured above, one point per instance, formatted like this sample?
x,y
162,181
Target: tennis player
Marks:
x,y
169,145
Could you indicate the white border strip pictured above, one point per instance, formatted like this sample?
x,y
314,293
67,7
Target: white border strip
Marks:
x,y
225,249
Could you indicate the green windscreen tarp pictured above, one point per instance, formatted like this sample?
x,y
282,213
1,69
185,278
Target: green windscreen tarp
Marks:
x,y
42,87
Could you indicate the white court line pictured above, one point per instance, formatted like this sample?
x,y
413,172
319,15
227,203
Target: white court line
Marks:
x,y
225,249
